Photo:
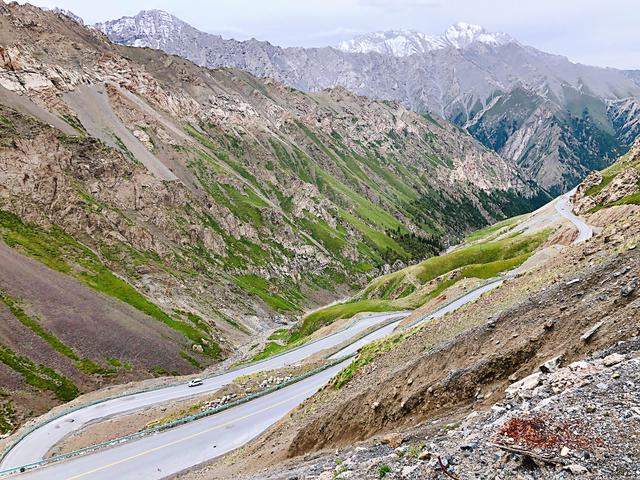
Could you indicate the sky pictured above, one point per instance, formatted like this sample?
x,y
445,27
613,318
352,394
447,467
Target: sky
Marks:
x,y
595,32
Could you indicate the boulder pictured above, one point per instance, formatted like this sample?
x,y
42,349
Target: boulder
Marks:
x,y
551,365
526,384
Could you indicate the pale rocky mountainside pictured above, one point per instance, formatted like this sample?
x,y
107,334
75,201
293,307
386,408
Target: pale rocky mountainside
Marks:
x,y
557,119
155,216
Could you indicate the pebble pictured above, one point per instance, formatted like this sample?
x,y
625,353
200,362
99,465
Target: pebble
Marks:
x,y
576,469
424,455
586,397
408,470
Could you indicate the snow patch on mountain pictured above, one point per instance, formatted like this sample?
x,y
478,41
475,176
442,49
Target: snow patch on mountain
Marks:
x,y
461,35
67,13
402,43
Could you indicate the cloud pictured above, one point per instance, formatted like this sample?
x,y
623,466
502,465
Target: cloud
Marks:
x,y
590,31
399,4
336,32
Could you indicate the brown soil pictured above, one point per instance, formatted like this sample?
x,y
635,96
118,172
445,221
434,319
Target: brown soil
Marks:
x,y
95,325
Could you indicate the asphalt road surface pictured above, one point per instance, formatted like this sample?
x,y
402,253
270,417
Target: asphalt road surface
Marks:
x,y
34,446
563,207
174,450
171,451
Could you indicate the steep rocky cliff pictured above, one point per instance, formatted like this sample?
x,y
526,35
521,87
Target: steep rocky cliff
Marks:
x,y
617,185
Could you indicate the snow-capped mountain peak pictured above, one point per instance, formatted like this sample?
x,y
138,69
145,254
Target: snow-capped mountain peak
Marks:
x,y
402,43
462,34
154,28
399,43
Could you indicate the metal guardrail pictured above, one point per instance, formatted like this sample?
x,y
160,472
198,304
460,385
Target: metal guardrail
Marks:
x,y
41,424
173,423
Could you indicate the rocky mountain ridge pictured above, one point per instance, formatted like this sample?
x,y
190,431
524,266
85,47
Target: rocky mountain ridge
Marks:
x,y
555,118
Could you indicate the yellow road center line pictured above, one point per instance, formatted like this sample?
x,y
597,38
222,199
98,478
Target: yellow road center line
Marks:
x,y
189,437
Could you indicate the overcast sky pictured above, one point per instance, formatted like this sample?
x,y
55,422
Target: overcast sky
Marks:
x,y
596,32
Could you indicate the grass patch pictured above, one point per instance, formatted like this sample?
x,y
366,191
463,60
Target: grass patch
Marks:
x,y
478,254
383,470
406,289
190,359
39,376
280,341
91,368
124,150
270,349
485,232
633,199
366,355
328,315
261,288
74,123
83,364
281,334
63,253
374,238
114,362
8,419
32,324
332,240
593,190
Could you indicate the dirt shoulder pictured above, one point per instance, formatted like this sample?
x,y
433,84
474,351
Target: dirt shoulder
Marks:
x,y
578,421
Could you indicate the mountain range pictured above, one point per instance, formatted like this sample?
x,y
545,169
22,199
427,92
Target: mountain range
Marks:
x,y
363,218
189,211
555,118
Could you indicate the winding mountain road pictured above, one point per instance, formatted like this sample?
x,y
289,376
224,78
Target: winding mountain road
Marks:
x,y
168,452
563,207
171,451
33,447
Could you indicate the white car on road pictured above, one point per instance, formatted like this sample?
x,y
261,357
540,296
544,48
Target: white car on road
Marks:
x,y
196,382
